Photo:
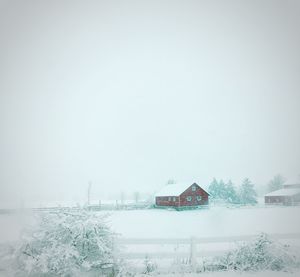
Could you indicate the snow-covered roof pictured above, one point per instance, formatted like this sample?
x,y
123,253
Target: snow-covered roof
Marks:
x,y
296,186
284,192
173,189
295,180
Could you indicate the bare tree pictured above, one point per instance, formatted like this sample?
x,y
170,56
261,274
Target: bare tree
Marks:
x,y
122,197
171,181
136,196
89,193
276,183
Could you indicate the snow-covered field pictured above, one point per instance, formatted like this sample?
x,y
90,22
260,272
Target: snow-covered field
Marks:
x,y
233,274
159,223
214,222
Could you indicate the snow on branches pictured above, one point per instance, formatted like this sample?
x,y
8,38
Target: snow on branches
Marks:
x,y
66,243
262,253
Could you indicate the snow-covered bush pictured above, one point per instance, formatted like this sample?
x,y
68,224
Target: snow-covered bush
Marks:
x,y
149,266
65,243
260,254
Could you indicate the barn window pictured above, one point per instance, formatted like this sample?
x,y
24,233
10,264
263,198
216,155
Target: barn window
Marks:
x,y
174,199
199,198
169,199
193,188
189,198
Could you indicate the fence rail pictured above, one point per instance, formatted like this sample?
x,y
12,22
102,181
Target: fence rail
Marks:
x,y
192,242
130,241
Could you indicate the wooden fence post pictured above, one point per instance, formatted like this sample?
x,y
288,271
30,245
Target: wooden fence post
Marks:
x,y
114,254
193,252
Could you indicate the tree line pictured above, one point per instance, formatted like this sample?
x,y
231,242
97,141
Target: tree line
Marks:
x,y
243,194
229,193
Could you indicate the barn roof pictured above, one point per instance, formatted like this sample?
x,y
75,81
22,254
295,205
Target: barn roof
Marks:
x,y
174,189
284,192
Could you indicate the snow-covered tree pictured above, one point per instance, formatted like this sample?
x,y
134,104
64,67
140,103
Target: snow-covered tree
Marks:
x,y
65,243
231,195
213,189
276,183
222,190
217,190
247,193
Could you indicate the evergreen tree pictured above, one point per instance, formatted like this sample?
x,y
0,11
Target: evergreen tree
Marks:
x,y
231,193
247,194
213,188
222,193
217,189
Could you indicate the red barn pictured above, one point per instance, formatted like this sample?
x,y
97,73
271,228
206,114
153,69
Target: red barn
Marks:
x,y
181,195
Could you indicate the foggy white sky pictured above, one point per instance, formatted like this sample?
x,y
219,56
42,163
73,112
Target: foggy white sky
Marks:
x,y
131,93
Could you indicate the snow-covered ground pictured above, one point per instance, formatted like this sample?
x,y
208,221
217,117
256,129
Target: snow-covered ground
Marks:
x,y
213,222
159,223
232,274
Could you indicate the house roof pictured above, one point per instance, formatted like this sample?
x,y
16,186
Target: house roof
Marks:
x,y
174,189
284,192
